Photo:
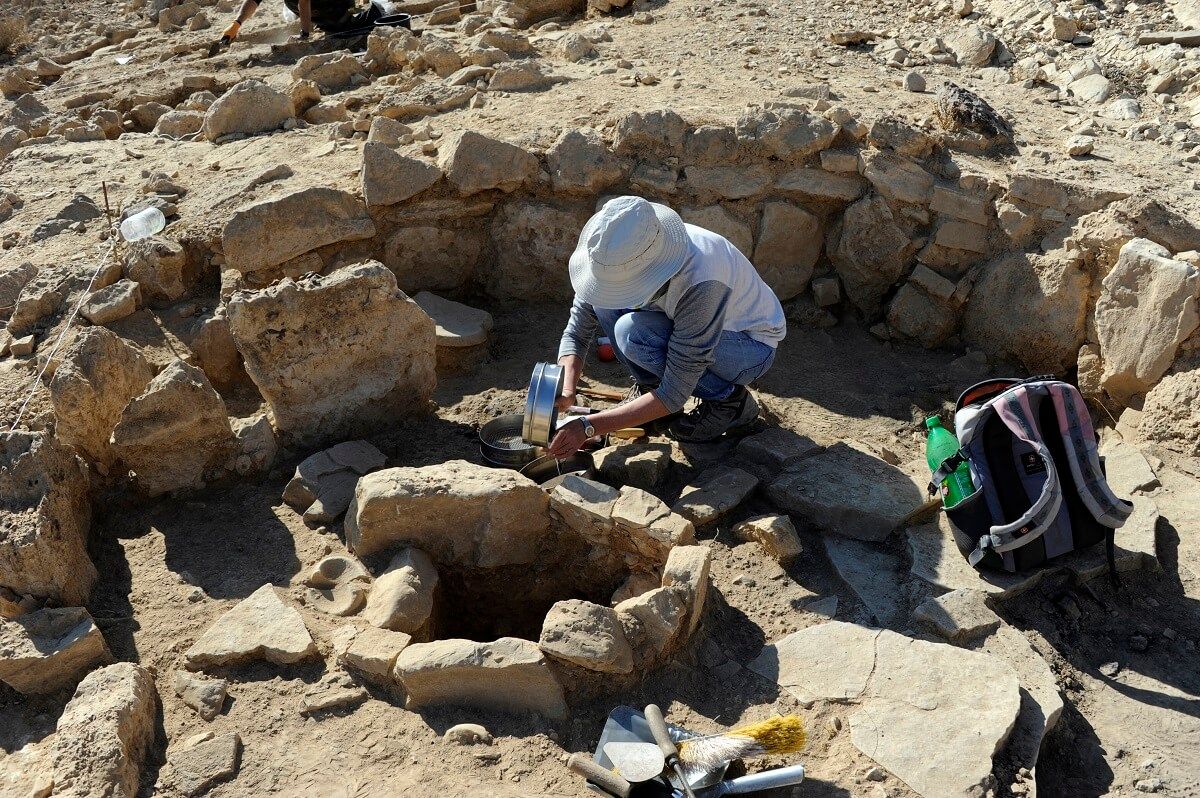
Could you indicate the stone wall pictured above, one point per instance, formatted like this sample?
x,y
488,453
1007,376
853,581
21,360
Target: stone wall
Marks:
x,y
882,224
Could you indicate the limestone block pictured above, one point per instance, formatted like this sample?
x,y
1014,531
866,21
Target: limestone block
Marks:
x,y
790,240
587,635
508,675
269,232
105,733
249,107
775,533
354,353
389,177
457,512
402,598
45,650
1146,309
687,571
474,162
48,515
97,377
175,432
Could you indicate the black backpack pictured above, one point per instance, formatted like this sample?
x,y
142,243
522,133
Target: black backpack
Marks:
x,y
1040,489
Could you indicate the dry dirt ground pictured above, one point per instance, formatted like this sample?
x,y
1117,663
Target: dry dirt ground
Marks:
x,y
170,568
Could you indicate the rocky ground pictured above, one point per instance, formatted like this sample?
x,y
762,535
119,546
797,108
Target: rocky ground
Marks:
x,y
244,532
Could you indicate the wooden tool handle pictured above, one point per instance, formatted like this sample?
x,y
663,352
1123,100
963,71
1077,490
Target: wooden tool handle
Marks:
x,y
658,728
600,393
628,433
612,783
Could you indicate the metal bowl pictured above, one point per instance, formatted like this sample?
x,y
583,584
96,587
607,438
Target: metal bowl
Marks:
x,y
501,444
548,472
545,386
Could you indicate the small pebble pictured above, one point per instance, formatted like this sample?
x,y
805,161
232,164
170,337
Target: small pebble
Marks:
x,y
914,81
1139,643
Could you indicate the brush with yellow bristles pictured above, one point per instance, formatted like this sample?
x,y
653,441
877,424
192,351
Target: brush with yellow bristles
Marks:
x,y
783,734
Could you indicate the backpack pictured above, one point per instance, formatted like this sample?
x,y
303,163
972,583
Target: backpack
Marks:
x,y
1040,488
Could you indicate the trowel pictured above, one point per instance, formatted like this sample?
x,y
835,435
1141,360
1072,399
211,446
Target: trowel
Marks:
x,y
636,761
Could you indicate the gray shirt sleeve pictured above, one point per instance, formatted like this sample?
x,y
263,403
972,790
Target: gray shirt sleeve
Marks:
x,y
581,329
698,324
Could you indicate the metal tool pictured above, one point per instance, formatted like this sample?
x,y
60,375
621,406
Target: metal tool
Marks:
x,y
607,781
767,780
658,728
636,761
216,46
545,386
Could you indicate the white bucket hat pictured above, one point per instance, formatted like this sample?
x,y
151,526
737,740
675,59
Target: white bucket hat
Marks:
x,y
626,252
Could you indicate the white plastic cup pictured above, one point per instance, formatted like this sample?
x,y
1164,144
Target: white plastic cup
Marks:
x,y
143,224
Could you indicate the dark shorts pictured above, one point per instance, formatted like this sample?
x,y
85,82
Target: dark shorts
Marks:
x,y
333,16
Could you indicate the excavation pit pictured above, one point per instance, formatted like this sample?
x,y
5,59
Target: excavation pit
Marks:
x,y
506,585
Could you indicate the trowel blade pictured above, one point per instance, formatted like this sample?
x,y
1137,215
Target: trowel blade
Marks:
x,y
636,761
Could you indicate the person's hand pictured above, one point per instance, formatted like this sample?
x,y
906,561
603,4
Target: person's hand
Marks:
x,y
568,440
566,401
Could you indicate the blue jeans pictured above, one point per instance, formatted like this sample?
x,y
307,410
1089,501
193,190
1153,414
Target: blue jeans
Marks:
x,y
640,338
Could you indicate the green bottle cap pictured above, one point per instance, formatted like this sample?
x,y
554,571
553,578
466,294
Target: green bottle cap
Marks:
x,y
933,421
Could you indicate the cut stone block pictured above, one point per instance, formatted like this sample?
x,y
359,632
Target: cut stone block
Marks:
x,y
652,622
372,654
46,650
1126,468
587,635
687,570
402,598
508,674
777,448
456,512
462,332
637,465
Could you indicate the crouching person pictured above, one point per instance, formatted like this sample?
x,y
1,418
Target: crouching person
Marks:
x,y
687,314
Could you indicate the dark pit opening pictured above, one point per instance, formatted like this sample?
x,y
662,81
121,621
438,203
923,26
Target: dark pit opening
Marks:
x,y
486,604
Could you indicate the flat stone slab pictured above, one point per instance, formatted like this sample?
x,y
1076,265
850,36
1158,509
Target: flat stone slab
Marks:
x,y
719,491
932,714
458,325
873,575
196,769
508,674
261,626
847,491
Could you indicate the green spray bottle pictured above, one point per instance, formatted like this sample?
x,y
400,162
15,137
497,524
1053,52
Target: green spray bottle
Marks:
x,y
941,445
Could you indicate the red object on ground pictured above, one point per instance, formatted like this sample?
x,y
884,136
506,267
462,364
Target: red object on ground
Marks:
x,y
604,350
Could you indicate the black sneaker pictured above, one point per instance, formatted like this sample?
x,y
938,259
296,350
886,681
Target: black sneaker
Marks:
x,y
714,417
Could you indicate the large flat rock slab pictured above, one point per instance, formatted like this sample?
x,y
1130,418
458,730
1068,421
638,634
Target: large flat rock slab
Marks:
x,y
932,714
874,576
847,491
261,626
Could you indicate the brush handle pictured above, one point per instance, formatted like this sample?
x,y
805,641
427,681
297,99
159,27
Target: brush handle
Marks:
x,y
767,780
658,730
612,783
